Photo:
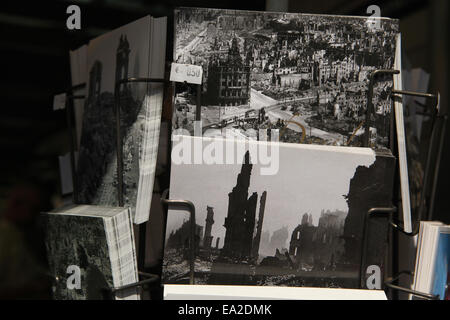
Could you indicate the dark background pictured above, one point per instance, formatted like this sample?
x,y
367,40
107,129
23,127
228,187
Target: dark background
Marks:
x,y
34,61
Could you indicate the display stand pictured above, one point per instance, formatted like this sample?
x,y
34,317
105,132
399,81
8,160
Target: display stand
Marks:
x,y
152,279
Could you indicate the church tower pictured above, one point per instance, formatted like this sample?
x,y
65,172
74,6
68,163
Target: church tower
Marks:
x,y
207,239
122,58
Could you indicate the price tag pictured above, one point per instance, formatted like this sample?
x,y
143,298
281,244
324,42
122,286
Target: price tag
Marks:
x,y
59,101
186,72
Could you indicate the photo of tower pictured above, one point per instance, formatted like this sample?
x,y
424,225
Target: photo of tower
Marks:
x,y
300,227
228,80
207,238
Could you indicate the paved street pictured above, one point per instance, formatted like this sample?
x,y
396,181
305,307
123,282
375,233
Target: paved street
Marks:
x,y
275,114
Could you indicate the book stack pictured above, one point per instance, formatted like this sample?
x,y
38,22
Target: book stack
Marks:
x,y
79,76
432,270
90,250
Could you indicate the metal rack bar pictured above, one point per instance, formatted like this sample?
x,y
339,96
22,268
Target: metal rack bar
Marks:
x,y
370,108
142,245
198,109
443,119
428,162
149,279
69,105
414,94
390,284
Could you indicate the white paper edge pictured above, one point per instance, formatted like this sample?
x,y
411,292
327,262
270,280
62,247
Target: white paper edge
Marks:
x,y
174,78
219,292
401,141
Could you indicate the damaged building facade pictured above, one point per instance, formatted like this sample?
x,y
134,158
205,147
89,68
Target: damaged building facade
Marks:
x,y
319,246
228,82
239,242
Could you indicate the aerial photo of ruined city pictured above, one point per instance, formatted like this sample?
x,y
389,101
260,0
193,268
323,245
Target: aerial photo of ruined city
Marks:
x,y
306,75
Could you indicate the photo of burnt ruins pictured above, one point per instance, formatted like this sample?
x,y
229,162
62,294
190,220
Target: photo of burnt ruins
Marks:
x,y
81,241
255,238
306,75
116,56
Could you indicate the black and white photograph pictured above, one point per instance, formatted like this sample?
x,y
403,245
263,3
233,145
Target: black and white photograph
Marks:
x,y
306,75
121,54
181,150
90,249
300,227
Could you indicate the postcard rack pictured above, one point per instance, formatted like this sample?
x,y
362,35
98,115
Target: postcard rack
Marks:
x,y
69,106
386,212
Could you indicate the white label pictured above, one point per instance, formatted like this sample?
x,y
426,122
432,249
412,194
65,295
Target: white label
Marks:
x,y
59,101
186,73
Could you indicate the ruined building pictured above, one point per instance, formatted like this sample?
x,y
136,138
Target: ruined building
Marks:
x,y
257,239
228,82
240,220
318,246
207,239
217,242
180,238
122,58
301,244
278,239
